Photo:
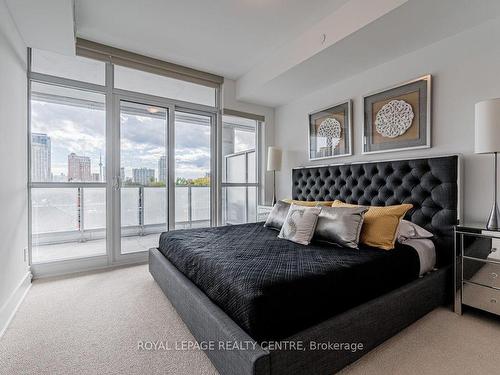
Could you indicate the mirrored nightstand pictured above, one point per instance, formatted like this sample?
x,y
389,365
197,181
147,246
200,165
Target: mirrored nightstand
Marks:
x,y
477,268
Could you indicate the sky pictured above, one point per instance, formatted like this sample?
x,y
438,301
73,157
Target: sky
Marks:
x,y
82,130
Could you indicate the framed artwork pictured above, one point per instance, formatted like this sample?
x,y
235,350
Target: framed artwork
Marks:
x,y
330,132
398,118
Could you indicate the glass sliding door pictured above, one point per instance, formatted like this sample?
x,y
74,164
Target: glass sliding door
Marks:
x,y
143,176
118,156
193,187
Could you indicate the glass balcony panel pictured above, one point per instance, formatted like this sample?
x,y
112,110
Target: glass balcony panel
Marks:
x,y
251,167
235,165
54,210
67,224
252,204
155,205
200,201
129,206
234,205
181,207
94,213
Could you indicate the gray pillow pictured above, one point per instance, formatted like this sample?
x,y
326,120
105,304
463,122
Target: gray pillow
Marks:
x,y
408,230
299,224
340,225
277,215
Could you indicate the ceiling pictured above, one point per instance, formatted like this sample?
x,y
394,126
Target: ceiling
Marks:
x,y
406,28
47,24
225,37
276,50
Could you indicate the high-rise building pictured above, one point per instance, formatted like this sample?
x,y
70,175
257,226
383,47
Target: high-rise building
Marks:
x,y
79,168
143,176
162,169
40,157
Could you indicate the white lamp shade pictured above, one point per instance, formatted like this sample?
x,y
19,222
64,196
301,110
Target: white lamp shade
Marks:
x,y
273,158
487,132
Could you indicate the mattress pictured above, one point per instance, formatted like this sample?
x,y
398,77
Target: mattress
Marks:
x,y
273,288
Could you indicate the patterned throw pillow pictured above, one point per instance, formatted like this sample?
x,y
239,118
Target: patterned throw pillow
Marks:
x,y
300,224
277,216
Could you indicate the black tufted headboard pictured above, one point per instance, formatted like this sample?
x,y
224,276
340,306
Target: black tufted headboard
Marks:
x,y
430,184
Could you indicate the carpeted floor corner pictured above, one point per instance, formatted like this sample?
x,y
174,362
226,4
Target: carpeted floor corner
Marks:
x,y
95,323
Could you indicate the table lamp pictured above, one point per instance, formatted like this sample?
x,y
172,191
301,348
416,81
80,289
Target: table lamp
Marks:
x,y
487,141
274,165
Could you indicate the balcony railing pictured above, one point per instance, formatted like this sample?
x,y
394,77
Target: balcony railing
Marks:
x,y
78,214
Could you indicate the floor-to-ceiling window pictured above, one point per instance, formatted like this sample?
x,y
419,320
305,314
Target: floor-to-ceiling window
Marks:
x,y
68,159
240,172
119,155
192,170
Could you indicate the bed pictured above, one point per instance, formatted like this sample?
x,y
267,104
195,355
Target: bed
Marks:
x,y
242,285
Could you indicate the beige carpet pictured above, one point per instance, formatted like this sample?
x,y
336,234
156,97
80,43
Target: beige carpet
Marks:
x,y
93,324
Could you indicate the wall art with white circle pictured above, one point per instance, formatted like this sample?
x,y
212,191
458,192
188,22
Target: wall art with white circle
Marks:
x,y
394,119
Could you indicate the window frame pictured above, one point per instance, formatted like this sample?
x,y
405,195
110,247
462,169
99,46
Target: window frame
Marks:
x,y
111,95
259,121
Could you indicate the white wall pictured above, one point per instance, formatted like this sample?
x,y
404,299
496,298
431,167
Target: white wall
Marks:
x,y
230,102
13,154
465,69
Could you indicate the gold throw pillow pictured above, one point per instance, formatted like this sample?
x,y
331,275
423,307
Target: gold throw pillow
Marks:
x,y
308,203
380,226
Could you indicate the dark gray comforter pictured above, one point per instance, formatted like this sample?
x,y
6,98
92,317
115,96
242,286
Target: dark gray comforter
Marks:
x,y
274,288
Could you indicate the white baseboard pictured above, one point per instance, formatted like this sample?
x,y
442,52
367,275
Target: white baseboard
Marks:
x,y
8,310
74,266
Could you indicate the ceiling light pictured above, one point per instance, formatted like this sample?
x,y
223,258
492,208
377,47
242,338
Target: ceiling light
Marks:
x,y
153,109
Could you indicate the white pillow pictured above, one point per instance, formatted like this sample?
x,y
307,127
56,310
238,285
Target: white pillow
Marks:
x,y
408,230
300,224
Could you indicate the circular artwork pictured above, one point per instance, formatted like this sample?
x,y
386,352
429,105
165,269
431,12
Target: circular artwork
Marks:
x,y
330,129
394,119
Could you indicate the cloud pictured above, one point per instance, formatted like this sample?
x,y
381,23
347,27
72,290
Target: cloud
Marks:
x,y
82,131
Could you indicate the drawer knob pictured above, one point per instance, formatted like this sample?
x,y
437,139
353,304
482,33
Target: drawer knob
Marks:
x,y
494,275
493,300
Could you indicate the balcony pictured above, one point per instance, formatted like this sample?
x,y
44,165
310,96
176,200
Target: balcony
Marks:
x,y
70,222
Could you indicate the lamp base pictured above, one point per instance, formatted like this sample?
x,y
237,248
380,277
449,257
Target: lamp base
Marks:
x,y
274,188
494,219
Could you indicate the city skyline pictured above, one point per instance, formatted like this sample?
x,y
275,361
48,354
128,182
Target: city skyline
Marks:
x,y
81,130
79,167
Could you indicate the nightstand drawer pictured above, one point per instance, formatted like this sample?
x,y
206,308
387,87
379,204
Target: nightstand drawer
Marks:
x,y
481,297
483,273
478,247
